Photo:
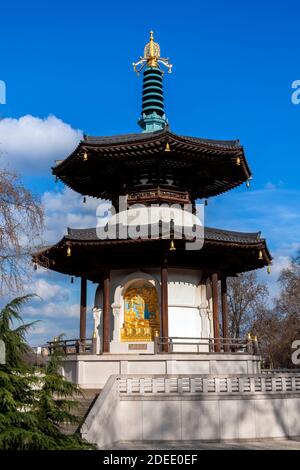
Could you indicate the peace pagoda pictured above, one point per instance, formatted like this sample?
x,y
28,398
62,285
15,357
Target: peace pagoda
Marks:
x,y
160,351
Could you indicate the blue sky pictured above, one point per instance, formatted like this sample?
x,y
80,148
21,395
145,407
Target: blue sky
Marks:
x,y
234,63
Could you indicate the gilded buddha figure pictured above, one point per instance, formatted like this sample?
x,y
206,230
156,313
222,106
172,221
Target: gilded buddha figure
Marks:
x,y
141,316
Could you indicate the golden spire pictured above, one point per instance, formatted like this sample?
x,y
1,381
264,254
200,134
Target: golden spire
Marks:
x,y
151,57
152,52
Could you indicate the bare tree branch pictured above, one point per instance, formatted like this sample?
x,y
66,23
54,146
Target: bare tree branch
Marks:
x,y
245,297
21,223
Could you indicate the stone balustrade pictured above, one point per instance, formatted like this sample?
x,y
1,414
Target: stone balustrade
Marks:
x,y
195,407
234,384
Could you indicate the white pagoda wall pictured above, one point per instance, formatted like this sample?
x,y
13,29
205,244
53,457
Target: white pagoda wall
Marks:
x,y
190,312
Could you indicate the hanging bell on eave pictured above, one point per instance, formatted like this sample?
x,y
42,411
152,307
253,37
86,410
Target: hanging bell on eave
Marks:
x,y
167,148
269,269
238,161
85,156
172,246
260,254
69,251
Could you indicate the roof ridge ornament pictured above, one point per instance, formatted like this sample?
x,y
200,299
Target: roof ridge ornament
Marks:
x,y
152,57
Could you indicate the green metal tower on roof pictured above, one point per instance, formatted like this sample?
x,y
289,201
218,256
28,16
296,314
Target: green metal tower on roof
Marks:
x,y
153,116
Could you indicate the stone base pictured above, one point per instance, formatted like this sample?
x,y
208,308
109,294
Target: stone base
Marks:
x,y
93,371
195,408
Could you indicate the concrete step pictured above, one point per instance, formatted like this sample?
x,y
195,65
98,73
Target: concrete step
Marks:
x,y
84,404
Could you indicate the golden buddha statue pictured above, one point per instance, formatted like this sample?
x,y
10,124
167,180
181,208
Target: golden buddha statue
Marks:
x,y
141,316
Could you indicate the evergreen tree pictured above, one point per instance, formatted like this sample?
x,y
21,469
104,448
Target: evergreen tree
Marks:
x,y
34,403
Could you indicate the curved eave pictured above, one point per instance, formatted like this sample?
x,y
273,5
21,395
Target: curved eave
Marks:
x,y
241,256
107,155
115,146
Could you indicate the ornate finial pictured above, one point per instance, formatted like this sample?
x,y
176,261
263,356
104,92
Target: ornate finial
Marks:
x,y
151,57
153,116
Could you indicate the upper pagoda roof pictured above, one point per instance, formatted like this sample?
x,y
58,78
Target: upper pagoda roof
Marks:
x,y
144,137
101,166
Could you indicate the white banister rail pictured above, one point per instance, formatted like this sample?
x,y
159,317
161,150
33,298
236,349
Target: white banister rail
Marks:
x,y
191,385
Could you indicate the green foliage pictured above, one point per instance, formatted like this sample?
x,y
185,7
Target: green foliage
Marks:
x,y
14,338
34,404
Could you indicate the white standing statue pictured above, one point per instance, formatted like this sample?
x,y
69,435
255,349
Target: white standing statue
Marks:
x,y
97,313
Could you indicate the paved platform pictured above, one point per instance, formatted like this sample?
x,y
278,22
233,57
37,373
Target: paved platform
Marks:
x,y
266,444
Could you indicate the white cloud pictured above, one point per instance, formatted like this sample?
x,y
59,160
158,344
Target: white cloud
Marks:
x,y
273,211
271,185
64,209
31,144
47,291
51,310
54,318
46,330
279,263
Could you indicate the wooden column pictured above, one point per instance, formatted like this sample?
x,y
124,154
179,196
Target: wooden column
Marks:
x,y
164,305
214,280
83,290
224,311
106,312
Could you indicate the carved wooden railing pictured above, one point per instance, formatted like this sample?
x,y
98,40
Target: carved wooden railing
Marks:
x,y
208,384
73,346
211,345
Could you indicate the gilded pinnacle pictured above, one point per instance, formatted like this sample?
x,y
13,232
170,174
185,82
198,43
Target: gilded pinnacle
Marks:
x,y
151,57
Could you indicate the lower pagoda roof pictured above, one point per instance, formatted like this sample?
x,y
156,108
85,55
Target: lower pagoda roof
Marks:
x,y
105,167
82,253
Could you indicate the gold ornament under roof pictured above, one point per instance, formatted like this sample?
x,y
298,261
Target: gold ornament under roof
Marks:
x,y
172,246
151,57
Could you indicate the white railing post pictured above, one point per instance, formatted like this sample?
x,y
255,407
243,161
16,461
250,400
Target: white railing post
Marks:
x,y
252,385
283,383
217,384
